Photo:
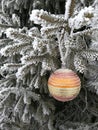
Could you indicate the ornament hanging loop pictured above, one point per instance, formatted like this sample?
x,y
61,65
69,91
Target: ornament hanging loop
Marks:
x,y
60,41
63,37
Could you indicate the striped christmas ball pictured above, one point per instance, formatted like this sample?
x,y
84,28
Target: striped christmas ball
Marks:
x,y
64,85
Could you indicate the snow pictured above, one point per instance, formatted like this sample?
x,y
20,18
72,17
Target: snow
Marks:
x,y
16,19
84,17
36,16
33,31
68,3
9,31
35,44
21,72
4,51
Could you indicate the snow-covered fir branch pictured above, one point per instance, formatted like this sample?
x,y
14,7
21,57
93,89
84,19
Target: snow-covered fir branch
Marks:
x,y
29,54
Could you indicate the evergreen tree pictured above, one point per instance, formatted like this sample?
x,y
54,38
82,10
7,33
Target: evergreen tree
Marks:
x,y
38,37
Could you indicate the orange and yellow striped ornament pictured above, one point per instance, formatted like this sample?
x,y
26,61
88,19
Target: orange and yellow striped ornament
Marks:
x,y
64,85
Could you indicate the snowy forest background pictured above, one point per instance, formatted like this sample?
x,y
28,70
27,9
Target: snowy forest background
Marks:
x,y
38,37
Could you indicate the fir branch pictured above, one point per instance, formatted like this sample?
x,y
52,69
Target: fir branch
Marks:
x,y
94,125
91,55
69,9
40,44
16,36
34,32
85,18
6,19
77,44
33,58
39,114
31,85
13,49
8,100
16,20
26,117
80,63
6,26
93,111
51,18
27,98
33,108
9,4
43,87
19,107
7,78
70,43
46,65
39,15
28,95
85,32
4,42
27,51
4,91
33,35
8,81
37,82
50,123
22,71
11,66
47,107
49,31
77,125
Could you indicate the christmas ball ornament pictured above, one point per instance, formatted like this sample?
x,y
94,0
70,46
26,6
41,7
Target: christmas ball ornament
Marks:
x,y
64,85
